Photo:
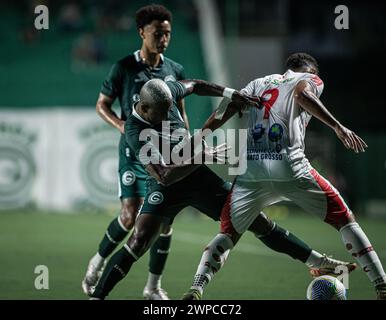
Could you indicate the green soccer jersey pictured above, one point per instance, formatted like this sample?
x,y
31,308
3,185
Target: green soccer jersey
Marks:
x,y
135,125
202,189
129,74
124,82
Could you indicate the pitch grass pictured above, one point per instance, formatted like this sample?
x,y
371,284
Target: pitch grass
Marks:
x,y
64,243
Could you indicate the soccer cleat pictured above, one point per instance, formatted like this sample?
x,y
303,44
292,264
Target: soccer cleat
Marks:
x,y
93,274
332,267
192,294
155,294
381,291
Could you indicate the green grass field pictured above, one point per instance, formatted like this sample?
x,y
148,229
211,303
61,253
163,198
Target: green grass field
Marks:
x,y
64,243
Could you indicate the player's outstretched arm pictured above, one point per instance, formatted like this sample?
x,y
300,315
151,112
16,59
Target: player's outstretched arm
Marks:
x,y
226,110
204,88
306,98
105,111
233,102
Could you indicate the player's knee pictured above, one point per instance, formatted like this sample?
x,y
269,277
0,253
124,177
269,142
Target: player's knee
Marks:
x,y
129,212
262,225
128,219
341,220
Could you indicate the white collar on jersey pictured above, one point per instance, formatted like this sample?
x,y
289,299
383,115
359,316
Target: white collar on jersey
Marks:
x,y
138,58
289,71
135,114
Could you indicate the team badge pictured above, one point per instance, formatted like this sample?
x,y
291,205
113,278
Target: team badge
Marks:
x,y
128,178
156,198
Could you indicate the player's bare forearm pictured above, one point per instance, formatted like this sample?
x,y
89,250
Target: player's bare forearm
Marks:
x,y
169,174
104,110
306,98
203,88
213,123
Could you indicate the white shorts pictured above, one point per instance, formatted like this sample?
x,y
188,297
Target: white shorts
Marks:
x,y
311,192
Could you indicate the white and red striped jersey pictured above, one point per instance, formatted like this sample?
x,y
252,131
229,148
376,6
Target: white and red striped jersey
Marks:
x,y
275,147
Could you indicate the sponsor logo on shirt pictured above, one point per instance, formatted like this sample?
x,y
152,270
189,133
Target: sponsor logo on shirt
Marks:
x,y
275,132
257,132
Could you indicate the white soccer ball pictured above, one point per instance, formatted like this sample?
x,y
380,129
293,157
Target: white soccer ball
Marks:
x,y
326,288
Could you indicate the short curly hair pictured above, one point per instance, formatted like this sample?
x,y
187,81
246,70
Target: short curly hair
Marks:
x,y
301,59
147,14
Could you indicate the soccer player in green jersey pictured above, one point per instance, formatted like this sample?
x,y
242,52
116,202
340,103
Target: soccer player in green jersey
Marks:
x,y
150,133
124,83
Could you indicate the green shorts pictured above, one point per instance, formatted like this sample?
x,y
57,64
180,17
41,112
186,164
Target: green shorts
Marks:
x,y
202,189
132,175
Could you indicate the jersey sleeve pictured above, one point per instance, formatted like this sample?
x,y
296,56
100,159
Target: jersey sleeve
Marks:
x,y
316,83
251,87
112,85
181,74
177,89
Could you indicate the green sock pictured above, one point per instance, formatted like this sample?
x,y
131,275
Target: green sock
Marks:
x,y
159,253
116,269
283,241
115,233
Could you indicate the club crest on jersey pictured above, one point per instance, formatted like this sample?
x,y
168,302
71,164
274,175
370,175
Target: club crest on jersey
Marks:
x,y
156,198
170,78
257,132
275,133
128,178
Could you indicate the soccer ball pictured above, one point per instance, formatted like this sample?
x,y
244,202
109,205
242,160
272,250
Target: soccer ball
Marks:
x,y
326,288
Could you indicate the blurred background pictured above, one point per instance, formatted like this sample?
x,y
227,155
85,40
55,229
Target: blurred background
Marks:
x,y
57,155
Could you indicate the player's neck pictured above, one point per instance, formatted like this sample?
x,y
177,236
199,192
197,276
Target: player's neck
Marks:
x,y
150,58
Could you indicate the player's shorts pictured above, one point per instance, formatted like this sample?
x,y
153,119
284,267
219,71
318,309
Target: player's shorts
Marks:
x,y
132,175
311,192
202,189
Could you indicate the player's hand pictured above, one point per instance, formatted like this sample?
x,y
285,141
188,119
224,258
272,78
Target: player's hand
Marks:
x,y
256,101
215,154
350,139
121,126
243,99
